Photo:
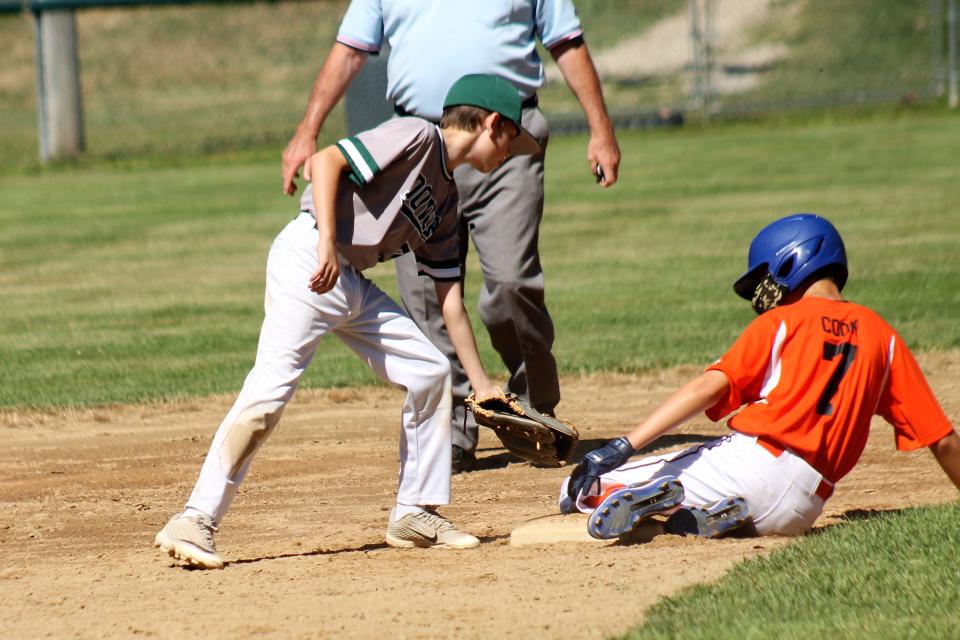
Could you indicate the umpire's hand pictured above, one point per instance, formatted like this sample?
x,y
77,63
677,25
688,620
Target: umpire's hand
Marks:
x,y
299,149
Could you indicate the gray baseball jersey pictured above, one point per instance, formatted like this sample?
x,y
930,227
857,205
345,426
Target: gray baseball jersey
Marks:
x,y
398,196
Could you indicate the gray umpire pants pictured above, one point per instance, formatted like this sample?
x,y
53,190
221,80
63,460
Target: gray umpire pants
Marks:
x,y
501,211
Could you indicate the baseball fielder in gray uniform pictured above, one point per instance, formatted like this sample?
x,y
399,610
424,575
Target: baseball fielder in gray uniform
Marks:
x,y
375,196
432,43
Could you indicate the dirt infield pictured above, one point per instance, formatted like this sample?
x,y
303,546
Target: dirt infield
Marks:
x,y
83,494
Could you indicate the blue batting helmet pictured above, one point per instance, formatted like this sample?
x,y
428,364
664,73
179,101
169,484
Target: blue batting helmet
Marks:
x,y
791,250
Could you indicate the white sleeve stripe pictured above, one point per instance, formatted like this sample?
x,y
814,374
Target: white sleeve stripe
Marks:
x,y
365,171
886,374
439,273
772,377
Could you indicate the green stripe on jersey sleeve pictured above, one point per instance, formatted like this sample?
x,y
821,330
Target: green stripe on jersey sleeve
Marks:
x,y
362,165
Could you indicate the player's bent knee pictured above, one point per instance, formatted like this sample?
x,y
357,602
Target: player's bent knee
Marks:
x,y
439,371
792,524
502,301
430,378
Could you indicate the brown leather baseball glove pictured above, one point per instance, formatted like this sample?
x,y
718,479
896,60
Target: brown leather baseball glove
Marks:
x,y
524,431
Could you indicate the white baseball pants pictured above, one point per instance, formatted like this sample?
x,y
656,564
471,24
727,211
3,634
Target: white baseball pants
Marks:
x,y
780,490
376,329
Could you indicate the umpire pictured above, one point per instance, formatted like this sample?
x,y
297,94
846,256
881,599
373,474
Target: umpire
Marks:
x,y
434,42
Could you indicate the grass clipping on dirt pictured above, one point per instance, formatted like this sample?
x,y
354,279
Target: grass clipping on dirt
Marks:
x,y
888,575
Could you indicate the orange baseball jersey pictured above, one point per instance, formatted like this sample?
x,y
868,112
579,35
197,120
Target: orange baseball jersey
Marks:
x,y
813,373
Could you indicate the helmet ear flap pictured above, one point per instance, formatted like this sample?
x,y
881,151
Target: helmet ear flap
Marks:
x,y
746,286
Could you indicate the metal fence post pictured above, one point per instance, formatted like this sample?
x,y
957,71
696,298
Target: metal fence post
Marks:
x,y
707,58
700,36
952,97
59,105
938,82
696,42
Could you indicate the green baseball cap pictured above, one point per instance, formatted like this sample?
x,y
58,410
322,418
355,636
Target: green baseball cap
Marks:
x,y
493,94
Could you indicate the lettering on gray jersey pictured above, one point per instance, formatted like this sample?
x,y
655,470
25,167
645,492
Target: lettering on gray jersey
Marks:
x,y
420,208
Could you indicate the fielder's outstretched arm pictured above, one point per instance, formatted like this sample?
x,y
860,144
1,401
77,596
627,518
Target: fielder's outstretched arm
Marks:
x,y
947,453
460,330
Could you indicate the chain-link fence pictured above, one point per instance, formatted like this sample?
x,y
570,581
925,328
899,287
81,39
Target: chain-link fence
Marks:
x,y
736,57
663,62
176,81
192,80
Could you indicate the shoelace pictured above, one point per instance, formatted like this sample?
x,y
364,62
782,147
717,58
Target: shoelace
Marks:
x,y
434,520
207,527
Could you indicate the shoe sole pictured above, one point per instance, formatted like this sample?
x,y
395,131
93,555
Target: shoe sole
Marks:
x,y
623,510
714,521
403,543
186,552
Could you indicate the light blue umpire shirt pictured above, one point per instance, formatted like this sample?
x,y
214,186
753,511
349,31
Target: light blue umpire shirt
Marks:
x,y
435,42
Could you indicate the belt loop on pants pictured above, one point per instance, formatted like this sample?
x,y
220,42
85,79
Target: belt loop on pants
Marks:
x,y
824,489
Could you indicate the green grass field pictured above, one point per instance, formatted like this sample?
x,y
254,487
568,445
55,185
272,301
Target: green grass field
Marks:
x,y
127,283
826,585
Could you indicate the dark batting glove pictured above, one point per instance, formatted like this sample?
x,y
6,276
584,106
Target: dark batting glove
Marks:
x,y
596,463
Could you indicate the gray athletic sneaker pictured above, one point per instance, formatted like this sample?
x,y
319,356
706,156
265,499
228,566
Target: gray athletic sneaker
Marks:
x,y
190,538
427,529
